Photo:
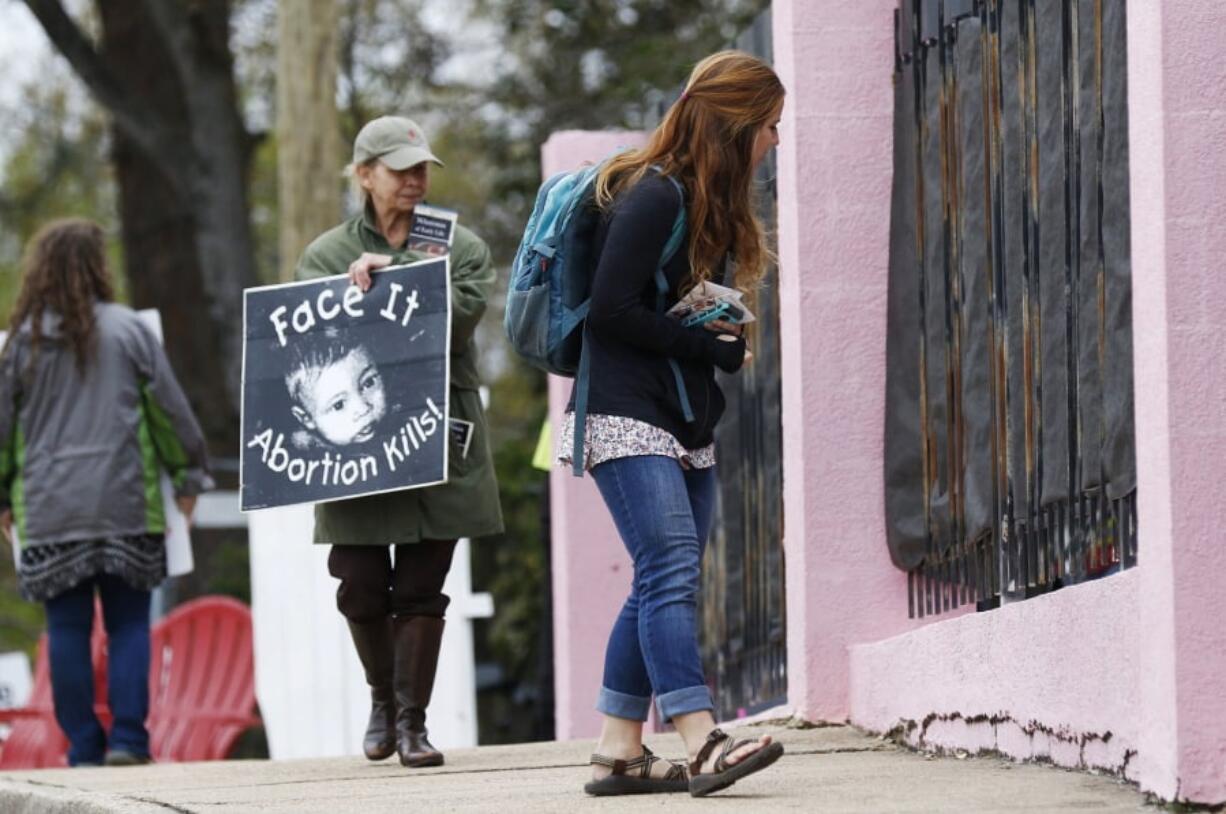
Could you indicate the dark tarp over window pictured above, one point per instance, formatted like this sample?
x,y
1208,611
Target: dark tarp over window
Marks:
x,y
1009,460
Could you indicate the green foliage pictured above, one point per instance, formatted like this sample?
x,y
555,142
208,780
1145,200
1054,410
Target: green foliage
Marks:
x,y
21,622
388,61
262,194
605,63
57,167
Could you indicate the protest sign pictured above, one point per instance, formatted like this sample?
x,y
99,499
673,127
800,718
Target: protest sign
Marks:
x,y
345,392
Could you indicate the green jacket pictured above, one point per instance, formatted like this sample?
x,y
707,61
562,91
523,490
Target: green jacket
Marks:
x,y
467,505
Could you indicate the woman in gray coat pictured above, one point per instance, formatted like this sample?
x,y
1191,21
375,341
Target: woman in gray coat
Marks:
x,y
90,413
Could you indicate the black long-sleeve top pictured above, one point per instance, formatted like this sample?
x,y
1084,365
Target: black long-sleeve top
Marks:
x,y
630,342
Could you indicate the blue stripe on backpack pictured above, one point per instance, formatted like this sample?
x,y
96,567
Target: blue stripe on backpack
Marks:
x,y
551,287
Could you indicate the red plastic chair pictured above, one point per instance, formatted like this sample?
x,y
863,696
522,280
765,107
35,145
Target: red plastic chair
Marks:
x,y
201,689
35,740
201,680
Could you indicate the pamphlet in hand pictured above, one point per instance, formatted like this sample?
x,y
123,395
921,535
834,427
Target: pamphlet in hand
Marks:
x,y
432,230
708,302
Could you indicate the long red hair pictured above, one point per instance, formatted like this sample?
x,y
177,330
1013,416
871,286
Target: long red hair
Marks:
x,y
706,142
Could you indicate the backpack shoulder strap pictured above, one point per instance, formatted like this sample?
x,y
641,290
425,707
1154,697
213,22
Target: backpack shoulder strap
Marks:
x,y
672,246
582,378
670,250
678,235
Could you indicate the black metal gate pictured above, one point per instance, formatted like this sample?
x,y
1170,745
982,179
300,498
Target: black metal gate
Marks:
x,y
1010,456
742,606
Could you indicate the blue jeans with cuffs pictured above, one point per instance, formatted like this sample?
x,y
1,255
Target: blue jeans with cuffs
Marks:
x,y
663,514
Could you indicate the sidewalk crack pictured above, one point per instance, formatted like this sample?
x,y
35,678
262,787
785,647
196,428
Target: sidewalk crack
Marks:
x,y
162,804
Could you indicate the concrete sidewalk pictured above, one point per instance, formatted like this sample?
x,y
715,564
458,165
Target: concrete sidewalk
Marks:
x,y
835,769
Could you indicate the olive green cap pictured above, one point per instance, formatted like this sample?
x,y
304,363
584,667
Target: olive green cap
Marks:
x,y
396,141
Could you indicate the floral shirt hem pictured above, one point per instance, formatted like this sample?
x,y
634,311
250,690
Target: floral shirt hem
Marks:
x,y
613,436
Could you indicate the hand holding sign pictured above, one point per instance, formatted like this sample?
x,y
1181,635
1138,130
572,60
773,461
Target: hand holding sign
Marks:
x,y
360,269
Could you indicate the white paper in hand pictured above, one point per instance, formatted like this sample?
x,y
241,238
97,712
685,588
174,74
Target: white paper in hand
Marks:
x,y
179,559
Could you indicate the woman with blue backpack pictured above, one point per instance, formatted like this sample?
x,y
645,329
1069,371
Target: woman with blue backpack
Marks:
x,y
652,403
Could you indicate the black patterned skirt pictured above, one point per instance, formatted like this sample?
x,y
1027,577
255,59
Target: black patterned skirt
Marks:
x,y
48,570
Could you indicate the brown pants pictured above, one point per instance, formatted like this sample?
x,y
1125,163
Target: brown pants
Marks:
x,y
372,587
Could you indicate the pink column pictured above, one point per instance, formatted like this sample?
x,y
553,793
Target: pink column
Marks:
x,y
1177,135
591,570
835,170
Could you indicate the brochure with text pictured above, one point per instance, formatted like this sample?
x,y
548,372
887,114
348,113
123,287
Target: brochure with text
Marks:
x,y
711,301
432,230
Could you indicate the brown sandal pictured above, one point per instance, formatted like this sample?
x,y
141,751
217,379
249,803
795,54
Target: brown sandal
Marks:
x,y
726,774
634,776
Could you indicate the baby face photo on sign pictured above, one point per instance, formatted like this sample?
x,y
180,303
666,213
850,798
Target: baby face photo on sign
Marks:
x,y
345,392
335,390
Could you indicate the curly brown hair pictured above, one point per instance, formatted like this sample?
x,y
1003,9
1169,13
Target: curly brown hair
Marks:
x,y
706,142
64,272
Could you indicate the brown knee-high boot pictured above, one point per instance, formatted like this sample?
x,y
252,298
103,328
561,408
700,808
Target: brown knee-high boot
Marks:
x,y
418,639
373,641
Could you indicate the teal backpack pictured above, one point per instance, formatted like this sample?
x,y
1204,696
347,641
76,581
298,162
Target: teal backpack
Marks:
x,y
551,287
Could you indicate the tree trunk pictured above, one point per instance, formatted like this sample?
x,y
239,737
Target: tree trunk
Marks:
x,y
198,36
171,224
163,271
308,130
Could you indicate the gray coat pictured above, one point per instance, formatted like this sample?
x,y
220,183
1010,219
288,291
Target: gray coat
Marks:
x,y
82,452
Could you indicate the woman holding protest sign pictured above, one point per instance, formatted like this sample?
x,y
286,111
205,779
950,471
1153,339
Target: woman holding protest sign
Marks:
x,y
90,411
395,604
654,402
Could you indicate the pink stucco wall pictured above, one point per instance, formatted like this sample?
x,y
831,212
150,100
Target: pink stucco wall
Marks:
x,y
1177,139
835,167
1052,678
591,570
1141,655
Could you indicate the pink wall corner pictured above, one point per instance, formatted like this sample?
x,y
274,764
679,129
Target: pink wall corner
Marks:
x,y
835,170
1157,761
591,570
1177,135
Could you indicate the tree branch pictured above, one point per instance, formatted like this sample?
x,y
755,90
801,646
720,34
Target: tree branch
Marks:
x,y
138,122
171,19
